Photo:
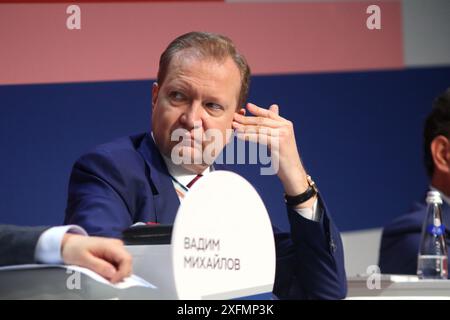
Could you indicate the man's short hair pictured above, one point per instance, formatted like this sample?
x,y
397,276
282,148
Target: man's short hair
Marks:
x,y
207,45
436,124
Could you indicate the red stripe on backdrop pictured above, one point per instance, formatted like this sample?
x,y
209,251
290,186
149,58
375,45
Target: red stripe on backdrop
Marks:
x,y
123,41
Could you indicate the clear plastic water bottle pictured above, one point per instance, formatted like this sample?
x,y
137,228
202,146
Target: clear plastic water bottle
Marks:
x,y
432,260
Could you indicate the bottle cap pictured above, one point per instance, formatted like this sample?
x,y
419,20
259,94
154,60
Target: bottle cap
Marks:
x,y
434,197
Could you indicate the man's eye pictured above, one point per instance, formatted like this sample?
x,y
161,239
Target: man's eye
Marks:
x,y
214,106
177,96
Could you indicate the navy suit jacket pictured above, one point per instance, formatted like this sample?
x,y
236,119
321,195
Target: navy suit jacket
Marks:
x,y
401,239
126,181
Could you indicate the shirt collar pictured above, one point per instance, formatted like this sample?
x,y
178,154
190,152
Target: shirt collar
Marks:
x,y
181,174
443,195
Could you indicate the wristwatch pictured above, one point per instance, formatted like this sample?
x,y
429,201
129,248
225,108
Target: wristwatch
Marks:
x,y
302,197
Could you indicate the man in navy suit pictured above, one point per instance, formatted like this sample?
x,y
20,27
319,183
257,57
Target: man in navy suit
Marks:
x,y
401,239
201,86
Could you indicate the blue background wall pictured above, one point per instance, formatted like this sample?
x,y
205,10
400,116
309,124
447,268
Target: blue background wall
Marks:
x,y
359,135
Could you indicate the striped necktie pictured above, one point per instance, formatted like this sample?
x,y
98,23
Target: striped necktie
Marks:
x,y
190,184
181,189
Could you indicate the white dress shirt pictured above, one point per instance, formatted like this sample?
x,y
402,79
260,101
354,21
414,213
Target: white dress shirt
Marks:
x,y
48,247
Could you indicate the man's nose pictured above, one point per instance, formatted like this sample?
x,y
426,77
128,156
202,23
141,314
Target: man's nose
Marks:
x,y
192,116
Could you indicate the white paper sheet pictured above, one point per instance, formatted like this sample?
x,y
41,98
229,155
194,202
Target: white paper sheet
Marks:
x,y
131,281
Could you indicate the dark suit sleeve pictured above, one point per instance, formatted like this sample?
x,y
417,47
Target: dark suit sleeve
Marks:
x,y
310,260
95,199
17,244
400,244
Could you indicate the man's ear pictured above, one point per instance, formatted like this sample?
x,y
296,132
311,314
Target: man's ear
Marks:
x,y
155,91
440,151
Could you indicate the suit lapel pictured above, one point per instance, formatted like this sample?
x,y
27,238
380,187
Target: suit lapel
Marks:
x,y
165,198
